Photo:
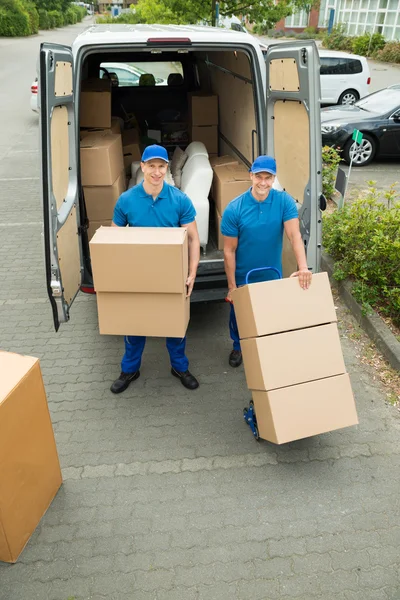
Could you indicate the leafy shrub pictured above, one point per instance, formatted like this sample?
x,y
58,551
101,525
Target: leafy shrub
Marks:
x,y
363,239
330,161
311,30
44,21
33,15
14,20
338,39
70,17
57,18
389,53
367,44
290,33
305,36
123,18
80,12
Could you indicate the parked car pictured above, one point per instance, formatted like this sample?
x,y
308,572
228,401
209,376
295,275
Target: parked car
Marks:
x,y
344,77
127,74
34,95
377,116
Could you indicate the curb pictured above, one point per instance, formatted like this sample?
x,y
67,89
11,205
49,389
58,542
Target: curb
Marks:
x,y
372,323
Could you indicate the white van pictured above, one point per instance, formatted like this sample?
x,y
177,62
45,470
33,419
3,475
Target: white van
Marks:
x,y
345,78
284,122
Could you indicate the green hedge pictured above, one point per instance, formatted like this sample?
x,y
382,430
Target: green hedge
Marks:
x,y
21,17
33,16
14,19
363,239
364,45
44,21
56,17
390,52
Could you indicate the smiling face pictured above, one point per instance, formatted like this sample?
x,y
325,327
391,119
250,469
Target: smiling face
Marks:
x,y
154,171
262,183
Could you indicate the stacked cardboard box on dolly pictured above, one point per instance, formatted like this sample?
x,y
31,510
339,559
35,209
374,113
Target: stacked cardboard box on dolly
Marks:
x,y
30,472
139,275
293,359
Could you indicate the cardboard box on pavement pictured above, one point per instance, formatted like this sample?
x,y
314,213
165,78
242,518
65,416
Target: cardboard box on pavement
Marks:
x,y
95,103
101,158
139,274
282,305
30,472
300,411
286,359
229,181
101,200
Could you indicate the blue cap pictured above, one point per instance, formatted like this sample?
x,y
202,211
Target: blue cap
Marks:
x,y
154,151
264,163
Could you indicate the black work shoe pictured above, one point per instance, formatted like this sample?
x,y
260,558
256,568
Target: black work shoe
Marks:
x,y
187,379
123,381
235,358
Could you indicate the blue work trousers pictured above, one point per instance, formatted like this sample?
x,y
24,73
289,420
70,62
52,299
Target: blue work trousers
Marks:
x,y
134,346
233,329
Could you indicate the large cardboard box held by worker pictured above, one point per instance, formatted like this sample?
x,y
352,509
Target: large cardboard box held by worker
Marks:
x,y
101,200
229,181
282,305
139,274
95,103
29,467
101,158
284,359
300,411
203,109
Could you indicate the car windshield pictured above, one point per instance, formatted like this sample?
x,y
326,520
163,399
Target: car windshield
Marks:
x,y
381,102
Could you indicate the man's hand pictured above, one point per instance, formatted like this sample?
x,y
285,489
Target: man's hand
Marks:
x,y
189,285
229,296
304,276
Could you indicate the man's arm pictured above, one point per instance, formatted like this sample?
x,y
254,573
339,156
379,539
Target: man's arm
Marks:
x,y
292,230
230,245
194,254
113,224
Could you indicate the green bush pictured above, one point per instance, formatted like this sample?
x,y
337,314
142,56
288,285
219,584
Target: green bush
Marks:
x,y
389,53
57,18
70,17
363,239
44,21
338,40
330,161
14,20
306,36
80,12
367,44
33,15
129,18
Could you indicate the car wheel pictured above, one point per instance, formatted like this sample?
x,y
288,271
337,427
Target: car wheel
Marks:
x,y
349,97
362,154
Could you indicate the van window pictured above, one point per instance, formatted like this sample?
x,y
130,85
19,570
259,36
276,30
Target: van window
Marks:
x,y
340,66
127,74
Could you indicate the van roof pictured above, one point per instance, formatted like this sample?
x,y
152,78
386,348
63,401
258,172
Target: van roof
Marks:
x,y
124,33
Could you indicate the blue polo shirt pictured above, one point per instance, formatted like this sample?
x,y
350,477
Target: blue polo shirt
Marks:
x,y
136,208
259,229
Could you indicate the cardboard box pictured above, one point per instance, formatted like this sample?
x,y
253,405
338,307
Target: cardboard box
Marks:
x,y
208,134
95,225
101,158
140,259
304,410
285,359
115,128
282,305
131,147
139,274
30,472
95,103
220,161
148,314
229,181
101,200
220,237
203,109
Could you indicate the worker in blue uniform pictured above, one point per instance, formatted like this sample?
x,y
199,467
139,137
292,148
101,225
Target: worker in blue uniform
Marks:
x,y
253,225
154,203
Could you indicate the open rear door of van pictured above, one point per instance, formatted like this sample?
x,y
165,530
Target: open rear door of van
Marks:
x,y
294,138
63,252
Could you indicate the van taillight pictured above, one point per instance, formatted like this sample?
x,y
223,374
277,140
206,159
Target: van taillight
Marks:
x,y
368,80
34,89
